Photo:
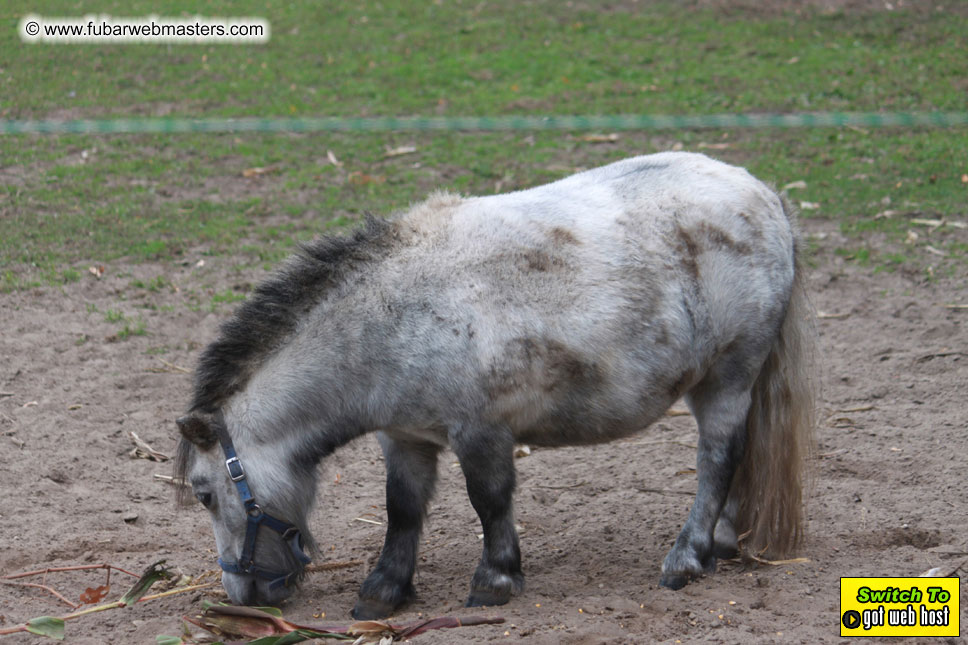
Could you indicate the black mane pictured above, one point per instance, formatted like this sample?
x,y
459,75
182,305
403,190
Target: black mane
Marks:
x,y
261,324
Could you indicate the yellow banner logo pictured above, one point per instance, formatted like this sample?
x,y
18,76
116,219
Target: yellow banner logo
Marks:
x,y
900,606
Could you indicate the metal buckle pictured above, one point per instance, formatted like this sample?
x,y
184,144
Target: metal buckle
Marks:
x,y
235,475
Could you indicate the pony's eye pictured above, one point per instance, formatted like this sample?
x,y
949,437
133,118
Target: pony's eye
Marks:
x,y
205,499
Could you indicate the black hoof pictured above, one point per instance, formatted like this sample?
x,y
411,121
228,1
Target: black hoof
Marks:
x,y
489,598
724,551
674,582
376,605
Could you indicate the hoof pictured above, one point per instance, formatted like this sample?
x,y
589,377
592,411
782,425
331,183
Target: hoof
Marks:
x,y
488,598
372,610
725,551
499,592
674,582
373,607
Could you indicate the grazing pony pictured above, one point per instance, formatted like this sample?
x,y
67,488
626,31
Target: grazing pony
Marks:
x,y
571,313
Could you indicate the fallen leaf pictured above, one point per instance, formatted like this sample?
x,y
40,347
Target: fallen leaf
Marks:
x,y
401,150
600,138
97,271
95,595
142,450
522,451
332,159
249,173
795,184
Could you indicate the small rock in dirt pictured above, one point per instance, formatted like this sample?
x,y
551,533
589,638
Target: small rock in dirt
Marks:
x,y
130,518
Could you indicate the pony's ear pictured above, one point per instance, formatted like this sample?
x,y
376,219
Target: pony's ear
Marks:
x,y
196,427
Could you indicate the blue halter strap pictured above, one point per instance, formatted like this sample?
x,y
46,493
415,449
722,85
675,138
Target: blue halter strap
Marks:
x,y
255,517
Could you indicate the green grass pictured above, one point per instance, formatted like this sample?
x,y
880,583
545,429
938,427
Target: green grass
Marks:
x,y
78,199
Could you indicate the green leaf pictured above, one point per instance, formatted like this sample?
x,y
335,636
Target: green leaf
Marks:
x,y
273,611
47,626
152,574
168,640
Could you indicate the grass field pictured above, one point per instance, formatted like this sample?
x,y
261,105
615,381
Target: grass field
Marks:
x,y
69,201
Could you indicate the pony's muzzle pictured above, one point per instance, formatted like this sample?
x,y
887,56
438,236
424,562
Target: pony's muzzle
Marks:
x,y
244,589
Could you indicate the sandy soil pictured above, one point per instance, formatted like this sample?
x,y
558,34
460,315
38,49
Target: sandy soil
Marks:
x,y
596,522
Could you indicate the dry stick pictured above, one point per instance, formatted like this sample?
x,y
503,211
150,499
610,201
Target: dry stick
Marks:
x,y
581,483
776,563
658,441
4,394
928,357
171,480
664,491
45,588
78,567
823,315
177,368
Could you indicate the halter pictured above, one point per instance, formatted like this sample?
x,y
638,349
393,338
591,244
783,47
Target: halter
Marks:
x,y
254,517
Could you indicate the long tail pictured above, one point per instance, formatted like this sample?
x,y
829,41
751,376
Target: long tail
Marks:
x,y
780,430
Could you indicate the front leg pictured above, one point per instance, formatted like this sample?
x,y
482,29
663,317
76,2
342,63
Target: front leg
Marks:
x,y
411,475
486,455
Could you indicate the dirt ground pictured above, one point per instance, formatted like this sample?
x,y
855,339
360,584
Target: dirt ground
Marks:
x,y
595,522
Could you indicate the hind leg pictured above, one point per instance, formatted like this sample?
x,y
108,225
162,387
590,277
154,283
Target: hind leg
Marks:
x,y
725,539
411,475
486,457
721,414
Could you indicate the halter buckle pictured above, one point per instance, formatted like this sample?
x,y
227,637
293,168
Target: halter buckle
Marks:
x,y
236,471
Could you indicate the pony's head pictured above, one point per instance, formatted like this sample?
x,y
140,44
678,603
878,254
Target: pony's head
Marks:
x,y
258,497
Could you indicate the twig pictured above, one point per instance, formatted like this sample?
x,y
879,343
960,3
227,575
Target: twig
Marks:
x,y
363,519
675,412
581,483
937,223
143,450
928,357
664,491
658,441
857,408
955,306
823,315
171,480
824,455
332,566
53,592
177,368
776,563
5,394
79,567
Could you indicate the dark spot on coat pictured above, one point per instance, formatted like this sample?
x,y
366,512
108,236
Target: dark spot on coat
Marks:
x,y
539,363
538,260
718,237
562,236
564,366
688,250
